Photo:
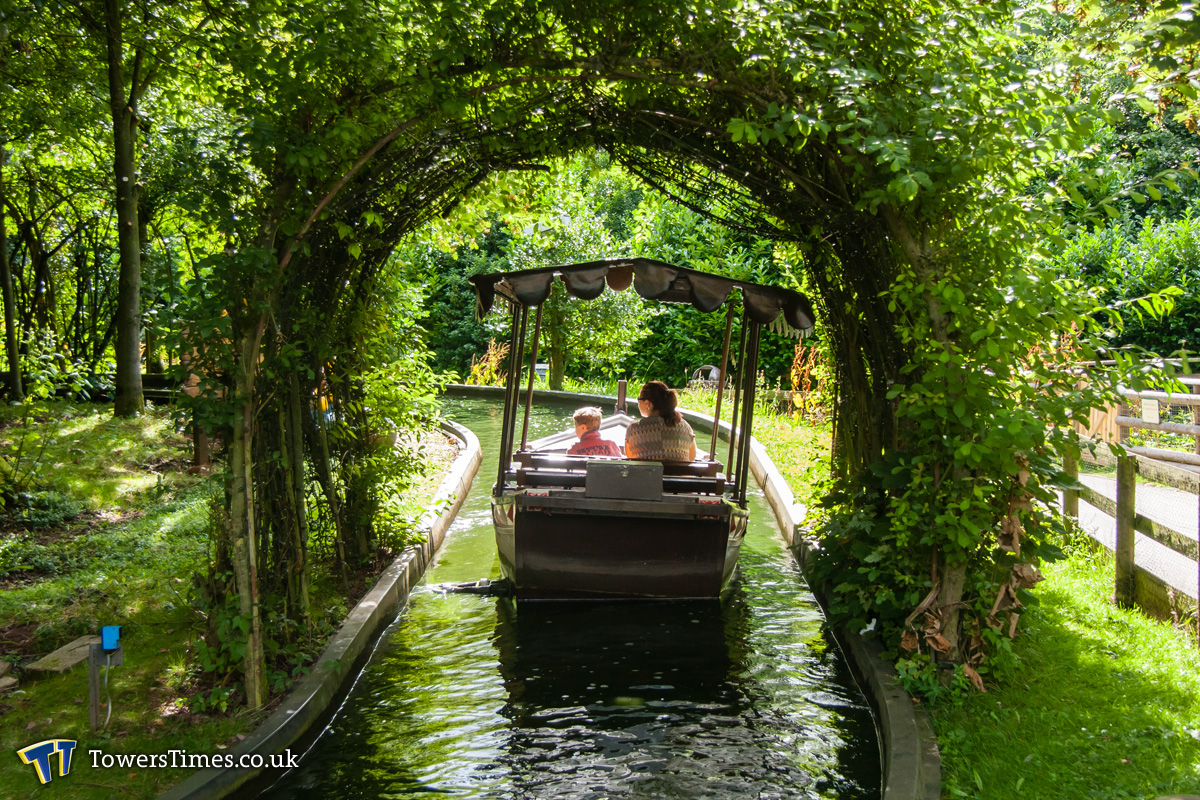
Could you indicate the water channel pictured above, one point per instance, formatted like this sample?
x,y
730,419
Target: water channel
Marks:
x,y
470,697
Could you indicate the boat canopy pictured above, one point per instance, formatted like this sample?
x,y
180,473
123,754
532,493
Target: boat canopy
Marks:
x,y
785,311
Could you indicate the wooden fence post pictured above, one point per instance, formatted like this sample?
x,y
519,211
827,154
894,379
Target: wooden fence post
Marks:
x,y
1070,502
1196,418
1126,510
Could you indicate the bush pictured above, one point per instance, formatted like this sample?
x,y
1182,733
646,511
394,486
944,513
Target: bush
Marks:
x,y
1131,262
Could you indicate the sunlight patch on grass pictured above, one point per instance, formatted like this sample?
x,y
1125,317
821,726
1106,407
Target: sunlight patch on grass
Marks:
x,y
100,460
1108,705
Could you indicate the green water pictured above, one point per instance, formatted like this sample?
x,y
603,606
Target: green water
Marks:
x,y
470,697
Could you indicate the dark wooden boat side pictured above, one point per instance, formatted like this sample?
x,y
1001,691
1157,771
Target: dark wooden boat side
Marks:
x,y
565,554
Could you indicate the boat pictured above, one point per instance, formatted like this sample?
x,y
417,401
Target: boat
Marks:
x,y
576,527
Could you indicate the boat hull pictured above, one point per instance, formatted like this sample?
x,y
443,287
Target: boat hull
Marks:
x,y
580,549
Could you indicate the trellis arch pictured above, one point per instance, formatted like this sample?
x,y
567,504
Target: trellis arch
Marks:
x,y
669,90
680,151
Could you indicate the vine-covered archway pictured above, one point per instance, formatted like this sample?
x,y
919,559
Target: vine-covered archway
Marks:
x,y
891,144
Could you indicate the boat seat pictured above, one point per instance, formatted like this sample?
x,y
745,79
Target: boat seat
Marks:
x,y
550,477
562,461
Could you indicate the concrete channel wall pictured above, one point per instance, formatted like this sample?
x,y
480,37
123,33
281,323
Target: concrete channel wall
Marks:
x,y
911,764
314,699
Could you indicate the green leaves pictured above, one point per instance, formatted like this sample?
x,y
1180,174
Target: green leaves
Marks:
x,y
739,129
903,188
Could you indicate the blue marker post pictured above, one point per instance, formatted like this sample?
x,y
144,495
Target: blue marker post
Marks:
x,y
109,653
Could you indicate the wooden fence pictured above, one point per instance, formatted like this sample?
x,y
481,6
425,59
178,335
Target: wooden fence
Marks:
x,y
1112,425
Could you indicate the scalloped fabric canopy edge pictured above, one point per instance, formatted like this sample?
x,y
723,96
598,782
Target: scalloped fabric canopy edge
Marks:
x,y
784,311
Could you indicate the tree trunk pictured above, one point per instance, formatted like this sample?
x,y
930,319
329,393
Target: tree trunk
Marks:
x,y
321,459
129,399
242,523
359,507
557,356
293,435
41,296
74,333
15,390
954,578
154,365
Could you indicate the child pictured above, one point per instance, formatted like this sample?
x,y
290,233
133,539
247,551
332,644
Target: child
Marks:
x,y
587,428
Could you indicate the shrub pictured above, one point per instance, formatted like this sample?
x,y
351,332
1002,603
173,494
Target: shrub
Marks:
x,y
1131,262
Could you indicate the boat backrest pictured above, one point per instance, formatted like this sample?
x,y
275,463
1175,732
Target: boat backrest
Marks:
x,y
693,469
630,480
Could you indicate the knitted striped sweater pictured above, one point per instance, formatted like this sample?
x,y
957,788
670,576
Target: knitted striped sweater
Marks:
x,y
652,439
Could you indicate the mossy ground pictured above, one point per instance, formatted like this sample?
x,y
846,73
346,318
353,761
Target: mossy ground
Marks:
x,y
127,557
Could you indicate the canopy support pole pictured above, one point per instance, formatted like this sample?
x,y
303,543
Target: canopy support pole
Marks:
x,y
732,468
712,448
743,476
537,330
512,392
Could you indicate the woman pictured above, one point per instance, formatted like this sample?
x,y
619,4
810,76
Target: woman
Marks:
x,y
662,434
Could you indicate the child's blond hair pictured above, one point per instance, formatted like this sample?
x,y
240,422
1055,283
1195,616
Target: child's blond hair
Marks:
x,y
589,416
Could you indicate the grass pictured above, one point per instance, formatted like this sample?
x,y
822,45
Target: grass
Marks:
x,y
799,446
800,450
1107,704
133,533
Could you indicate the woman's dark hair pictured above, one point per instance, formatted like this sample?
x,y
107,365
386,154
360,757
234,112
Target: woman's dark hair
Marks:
x,y
664,400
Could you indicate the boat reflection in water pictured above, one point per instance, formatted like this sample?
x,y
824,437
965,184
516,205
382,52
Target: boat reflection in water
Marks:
x,y
642,699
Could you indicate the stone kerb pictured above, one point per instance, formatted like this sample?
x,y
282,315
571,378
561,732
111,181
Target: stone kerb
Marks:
x,y
312,700
911,762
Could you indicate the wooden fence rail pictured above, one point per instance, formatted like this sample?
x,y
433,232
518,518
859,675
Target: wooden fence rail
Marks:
x,y
1160,533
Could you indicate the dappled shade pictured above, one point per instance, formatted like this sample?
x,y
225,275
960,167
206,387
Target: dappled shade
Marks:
x,y
788,312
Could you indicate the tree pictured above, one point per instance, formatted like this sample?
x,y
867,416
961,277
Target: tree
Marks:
x,y
683,338
15,388
601,331
891,146
455,337
126,86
